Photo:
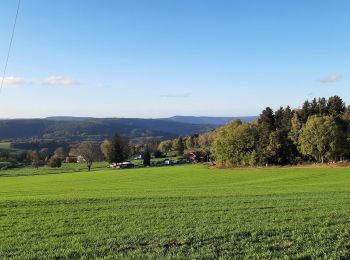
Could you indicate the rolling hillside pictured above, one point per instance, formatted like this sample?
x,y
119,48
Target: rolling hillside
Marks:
x,y
70,128
209,120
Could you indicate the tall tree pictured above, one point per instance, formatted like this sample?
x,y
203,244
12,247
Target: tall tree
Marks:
x,y
322,107
44,154
60,153
296,126
165,146
205,143
266,125
105,149
179,146
286,119
313,109
279,118
236,144
55,162
146,156
304,112
319,138
35,158
120,149
90,152
266,120
335,106
192,142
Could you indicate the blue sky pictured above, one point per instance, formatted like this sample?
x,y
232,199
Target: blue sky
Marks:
x,y
161,58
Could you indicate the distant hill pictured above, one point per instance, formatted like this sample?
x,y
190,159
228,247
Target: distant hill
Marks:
x,y
76,129
68,118
209,120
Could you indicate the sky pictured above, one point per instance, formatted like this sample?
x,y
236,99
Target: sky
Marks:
x,y
160,58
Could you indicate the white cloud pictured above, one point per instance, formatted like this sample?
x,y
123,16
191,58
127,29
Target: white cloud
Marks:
x,y
14,81
60,81
178,95
331,79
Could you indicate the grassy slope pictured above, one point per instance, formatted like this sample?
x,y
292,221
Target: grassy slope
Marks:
x,y
185,211
5,145
66,168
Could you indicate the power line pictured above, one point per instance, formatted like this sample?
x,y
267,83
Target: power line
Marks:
x,y
9,49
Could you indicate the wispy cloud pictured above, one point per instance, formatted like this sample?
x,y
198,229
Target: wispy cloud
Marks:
x,y
60,81
177,95
331,79
14,81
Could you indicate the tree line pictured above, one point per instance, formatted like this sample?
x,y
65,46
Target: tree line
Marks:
x,y
318,131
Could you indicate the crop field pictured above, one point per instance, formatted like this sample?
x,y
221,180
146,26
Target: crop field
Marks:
x,y
177,212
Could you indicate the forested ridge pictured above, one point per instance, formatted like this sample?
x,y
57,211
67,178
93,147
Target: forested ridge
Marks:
x,y
96,129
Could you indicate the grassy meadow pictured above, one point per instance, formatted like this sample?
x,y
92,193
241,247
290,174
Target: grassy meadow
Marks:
x,y
45,170
5,145
177,212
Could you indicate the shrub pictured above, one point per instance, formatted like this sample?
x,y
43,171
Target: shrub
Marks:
x,y
55,162
5,165
158,154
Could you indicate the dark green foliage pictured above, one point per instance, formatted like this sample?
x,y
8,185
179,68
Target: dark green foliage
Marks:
x,y
5,165
60,153
179,146
318,131
119,150
267,121
192,142
96,129
146,156
51,146
322,107
335,106
304,112
55,162
44,154
158,154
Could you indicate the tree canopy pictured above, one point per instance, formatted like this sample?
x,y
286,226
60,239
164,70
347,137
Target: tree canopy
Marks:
x,y
318,131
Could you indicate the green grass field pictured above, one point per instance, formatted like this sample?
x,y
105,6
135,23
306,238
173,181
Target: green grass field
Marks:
x,y
66,168
177,212
5,145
